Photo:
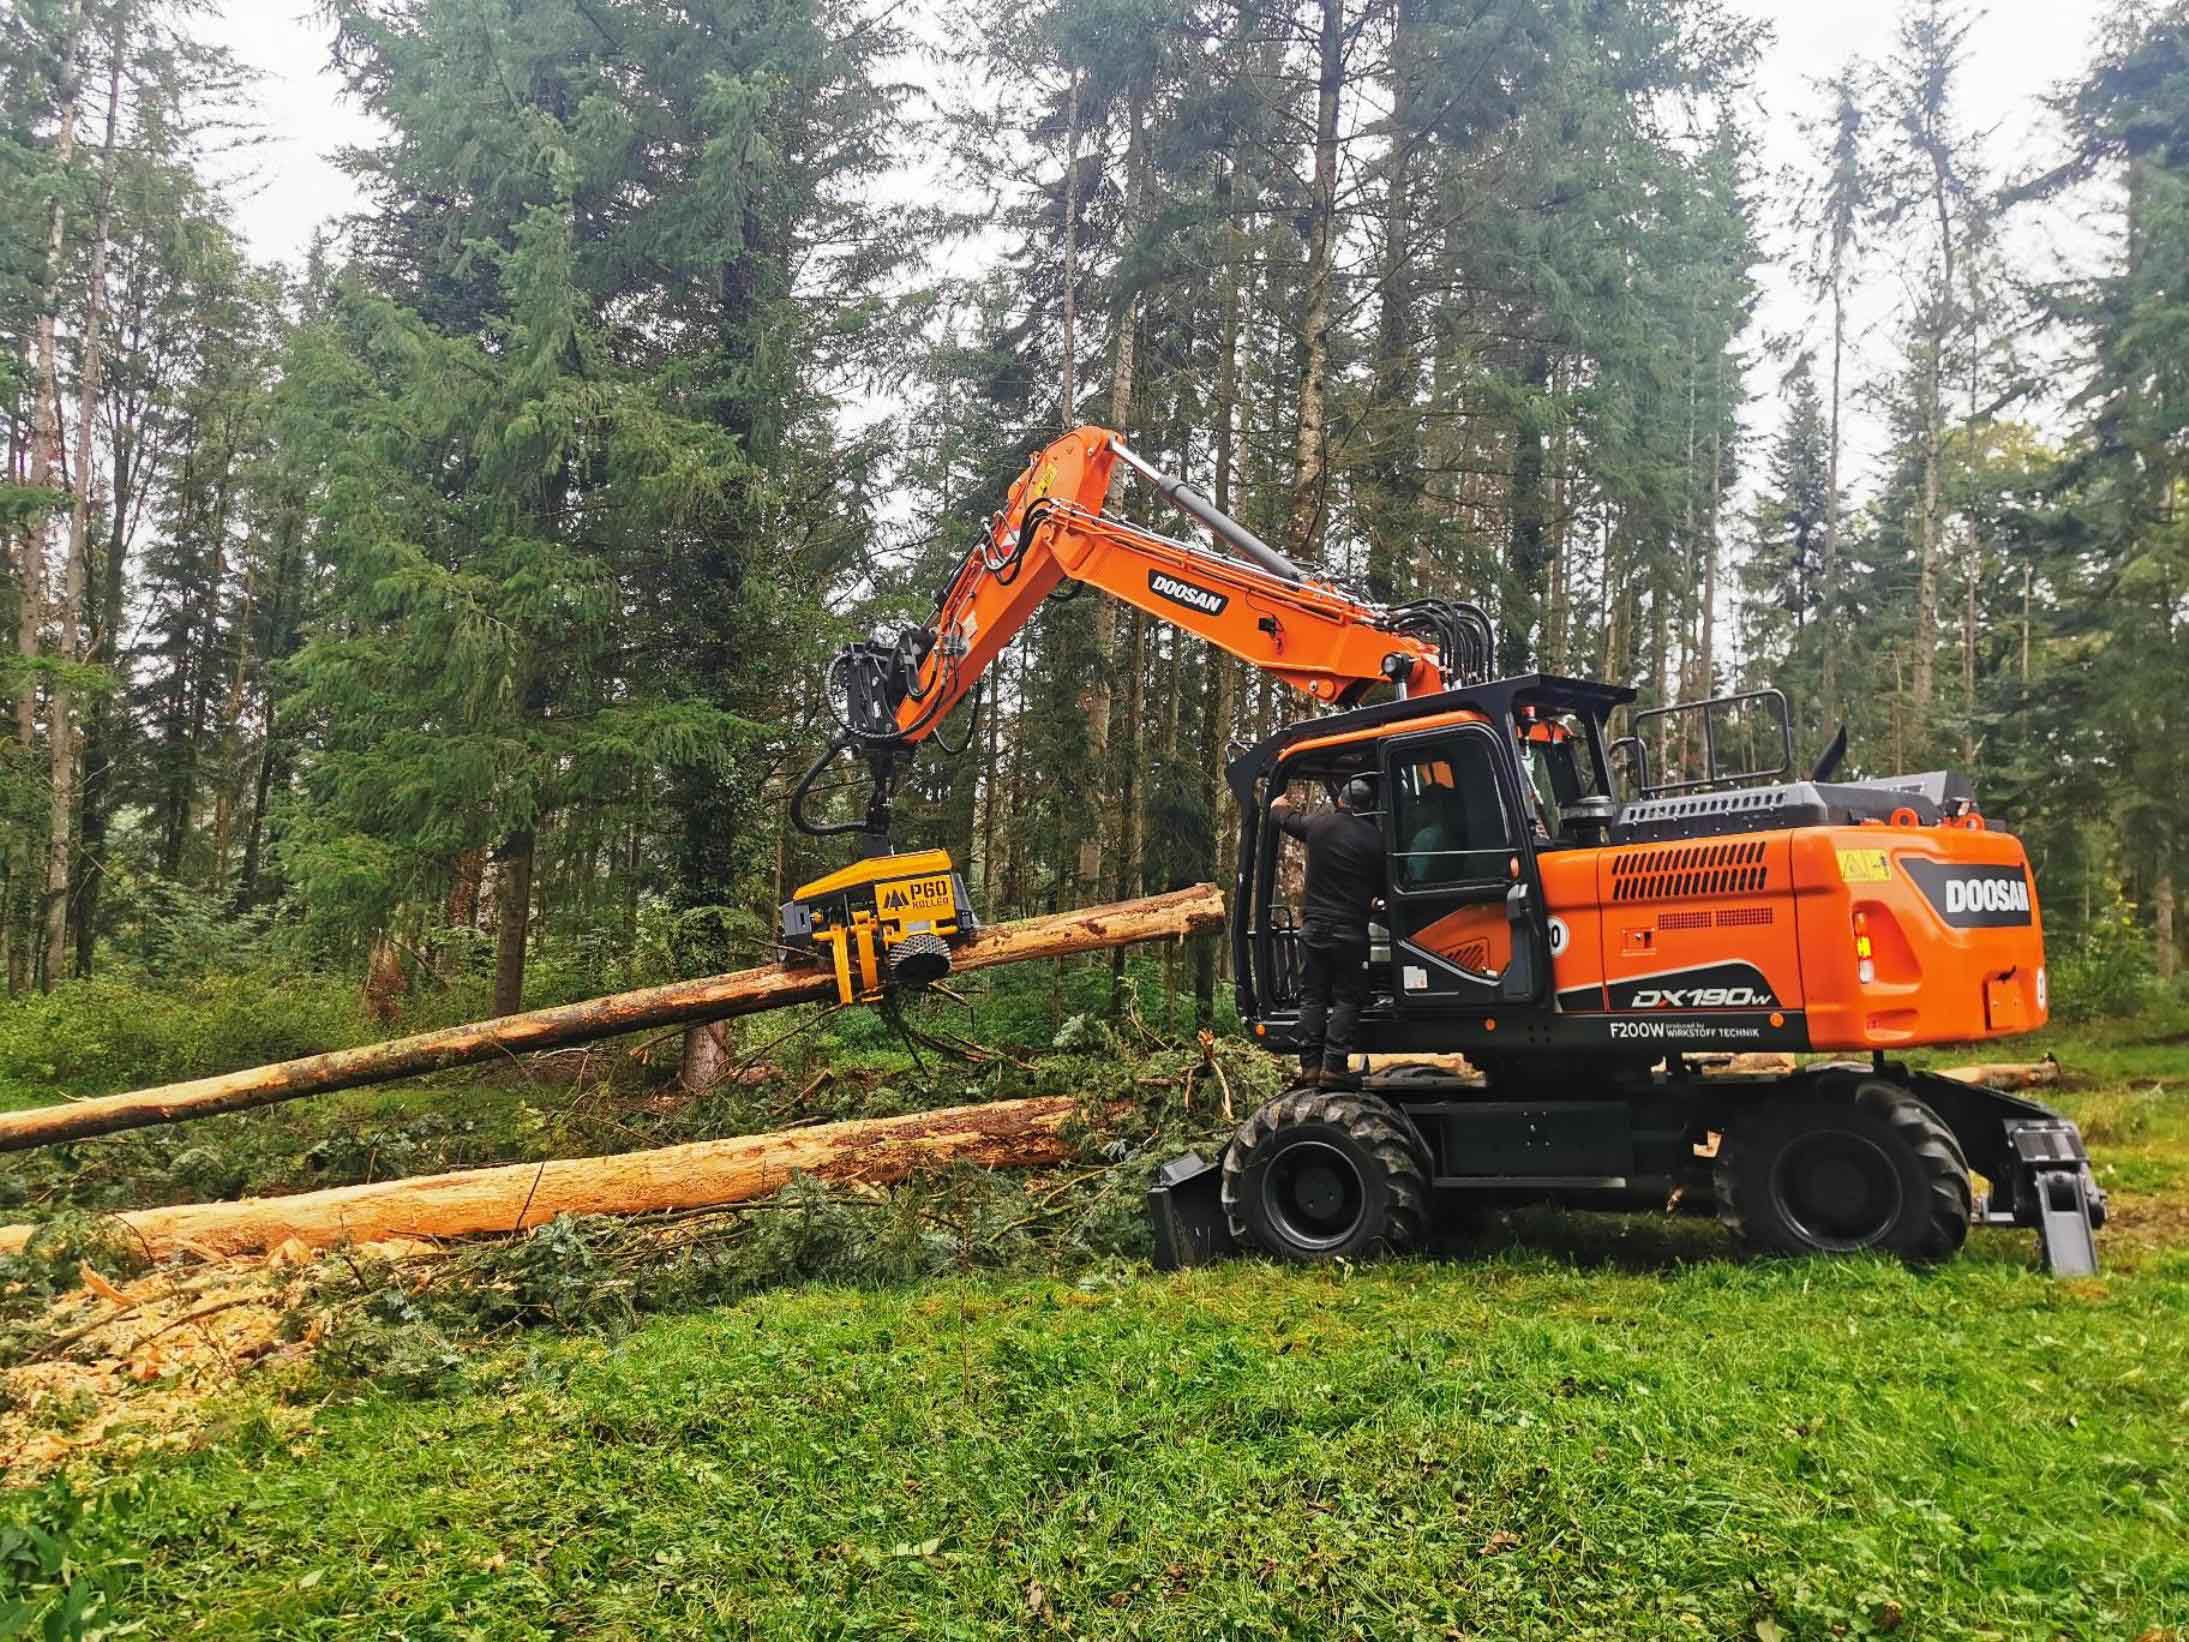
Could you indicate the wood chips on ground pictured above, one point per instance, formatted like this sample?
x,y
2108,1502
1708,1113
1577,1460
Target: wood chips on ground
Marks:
x,y
137,1365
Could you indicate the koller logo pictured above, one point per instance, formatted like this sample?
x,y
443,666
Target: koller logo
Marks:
x,y
1208,602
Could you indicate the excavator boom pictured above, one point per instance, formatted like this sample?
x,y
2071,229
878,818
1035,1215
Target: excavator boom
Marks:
x,y
1242,596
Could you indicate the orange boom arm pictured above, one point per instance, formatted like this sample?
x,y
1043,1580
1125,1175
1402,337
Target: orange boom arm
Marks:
x,y
1251,602
1243,597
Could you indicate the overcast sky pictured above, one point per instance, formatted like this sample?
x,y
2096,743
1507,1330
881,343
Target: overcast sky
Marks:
x,y
2018,50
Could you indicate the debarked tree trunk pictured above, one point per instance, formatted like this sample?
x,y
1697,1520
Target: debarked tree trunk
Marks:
x,y
704,1174
717,997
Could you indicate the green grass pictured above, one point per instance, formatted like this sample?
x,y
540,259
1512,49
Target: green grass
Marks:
x,y
1515,1446
1584,1426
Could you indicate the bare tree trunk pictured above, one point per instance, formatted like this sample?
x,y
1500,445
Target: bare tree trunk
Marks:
x,y
706,1056
2029,579
1100,700
1940,320
1968,647
1014,889
1070,340
103,731
60,706
1394,425
1309,458
1829,598
697,1175
513,899
2162,908
991,796
1707,662
1129,795
45,439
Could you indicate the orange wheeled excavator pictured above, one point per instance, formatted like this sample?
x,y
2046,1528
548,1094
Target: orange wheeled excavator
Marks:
x,y
1575,935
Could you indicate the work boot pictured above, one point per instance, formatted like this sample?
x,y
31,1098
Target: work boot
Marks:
x,y
1338,1081
1305,1081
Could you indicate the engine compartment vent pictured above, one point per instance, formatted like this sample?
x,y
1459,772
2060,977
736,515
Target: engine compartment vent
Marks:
x,y
1733,868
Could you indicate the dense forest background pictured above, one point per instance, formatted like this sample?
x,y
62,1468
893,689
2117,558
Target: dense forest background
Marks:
x,y
456,600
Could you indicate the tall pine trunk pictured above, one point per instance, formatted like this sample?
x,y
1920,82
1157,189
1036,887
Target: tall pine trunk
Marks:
x,y
1394,429
103,727
1220,684
513,901
1101,697
44,372
1828,597
1940,327
1069,388
1311,449
1525,564
60,721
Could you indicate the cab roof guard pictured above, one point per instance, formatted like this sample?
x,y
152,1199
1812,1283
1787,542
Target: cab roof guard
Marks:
x,y
1498,700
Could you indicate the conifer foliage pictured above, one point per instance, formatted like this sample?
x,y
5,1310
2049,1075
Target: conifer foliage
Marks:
x,y
460,596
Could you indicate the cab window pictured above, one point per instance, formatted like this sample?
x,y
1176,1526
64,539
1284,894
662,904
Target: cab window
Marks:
x,y
1449,819
1554,758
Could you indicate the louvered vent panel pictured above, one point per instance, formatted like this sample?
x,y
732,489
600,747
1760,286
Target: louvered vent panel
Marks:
x,y
1680,870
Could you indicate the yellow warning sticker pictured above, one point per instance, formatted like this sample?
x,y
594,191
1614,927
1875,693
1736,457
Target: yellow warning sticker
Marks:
x,y
1865,867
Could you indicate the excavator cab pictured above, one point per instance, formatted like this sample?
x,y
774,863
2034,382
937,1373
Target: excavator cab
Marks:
x,y
1479,786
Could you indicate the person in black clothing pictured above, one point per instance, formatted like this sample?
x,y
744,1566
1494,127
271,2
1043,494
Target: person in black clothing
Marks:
x,y
1345,875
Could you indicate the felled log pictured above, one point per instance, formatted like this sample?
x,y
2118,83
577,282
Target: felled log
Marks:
x,y
717,997
1747,1064
1457,1065
702,1174
2007,1074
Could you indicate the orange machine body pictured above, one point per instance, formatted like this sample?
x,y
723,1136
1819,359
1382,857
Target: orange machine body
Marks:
x,y
1874,937
1880,936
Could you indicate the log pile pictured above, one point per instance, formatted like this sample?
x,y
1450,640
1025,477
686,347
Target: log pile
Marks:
x,y
717,997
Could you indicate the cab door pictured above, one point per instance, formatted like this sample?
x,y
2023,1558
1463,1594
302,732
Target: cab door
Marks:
x,y
1466,920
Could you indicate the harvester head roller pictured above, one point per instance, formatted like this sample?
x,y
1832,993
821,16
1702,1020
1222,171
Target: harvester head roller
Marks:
x,y
919,960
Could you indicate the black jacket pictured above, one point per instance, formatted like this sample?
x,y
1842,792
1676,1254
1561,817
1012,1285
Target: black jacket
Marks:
x,y
1344,874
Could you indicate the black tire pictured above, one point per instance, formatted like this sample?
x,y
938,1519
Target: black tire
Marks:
x,y
1854,1164
1323,1176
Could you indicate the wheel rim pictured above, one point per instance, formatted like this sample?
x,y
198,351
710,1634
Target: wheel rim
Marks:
x,y
1313,1193
1839,1191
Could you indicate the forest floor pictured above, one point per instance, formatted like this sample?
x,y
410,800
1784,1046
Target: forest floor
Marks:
x,y
975,1412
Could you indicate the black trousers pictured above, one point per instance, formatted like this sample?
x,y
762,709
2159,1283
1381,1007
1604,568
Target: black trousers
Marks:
x,y
1333,986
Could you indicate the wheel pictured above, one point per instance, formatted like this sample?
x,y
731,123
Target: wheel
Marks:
x,y
1860,1164
1321,1176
